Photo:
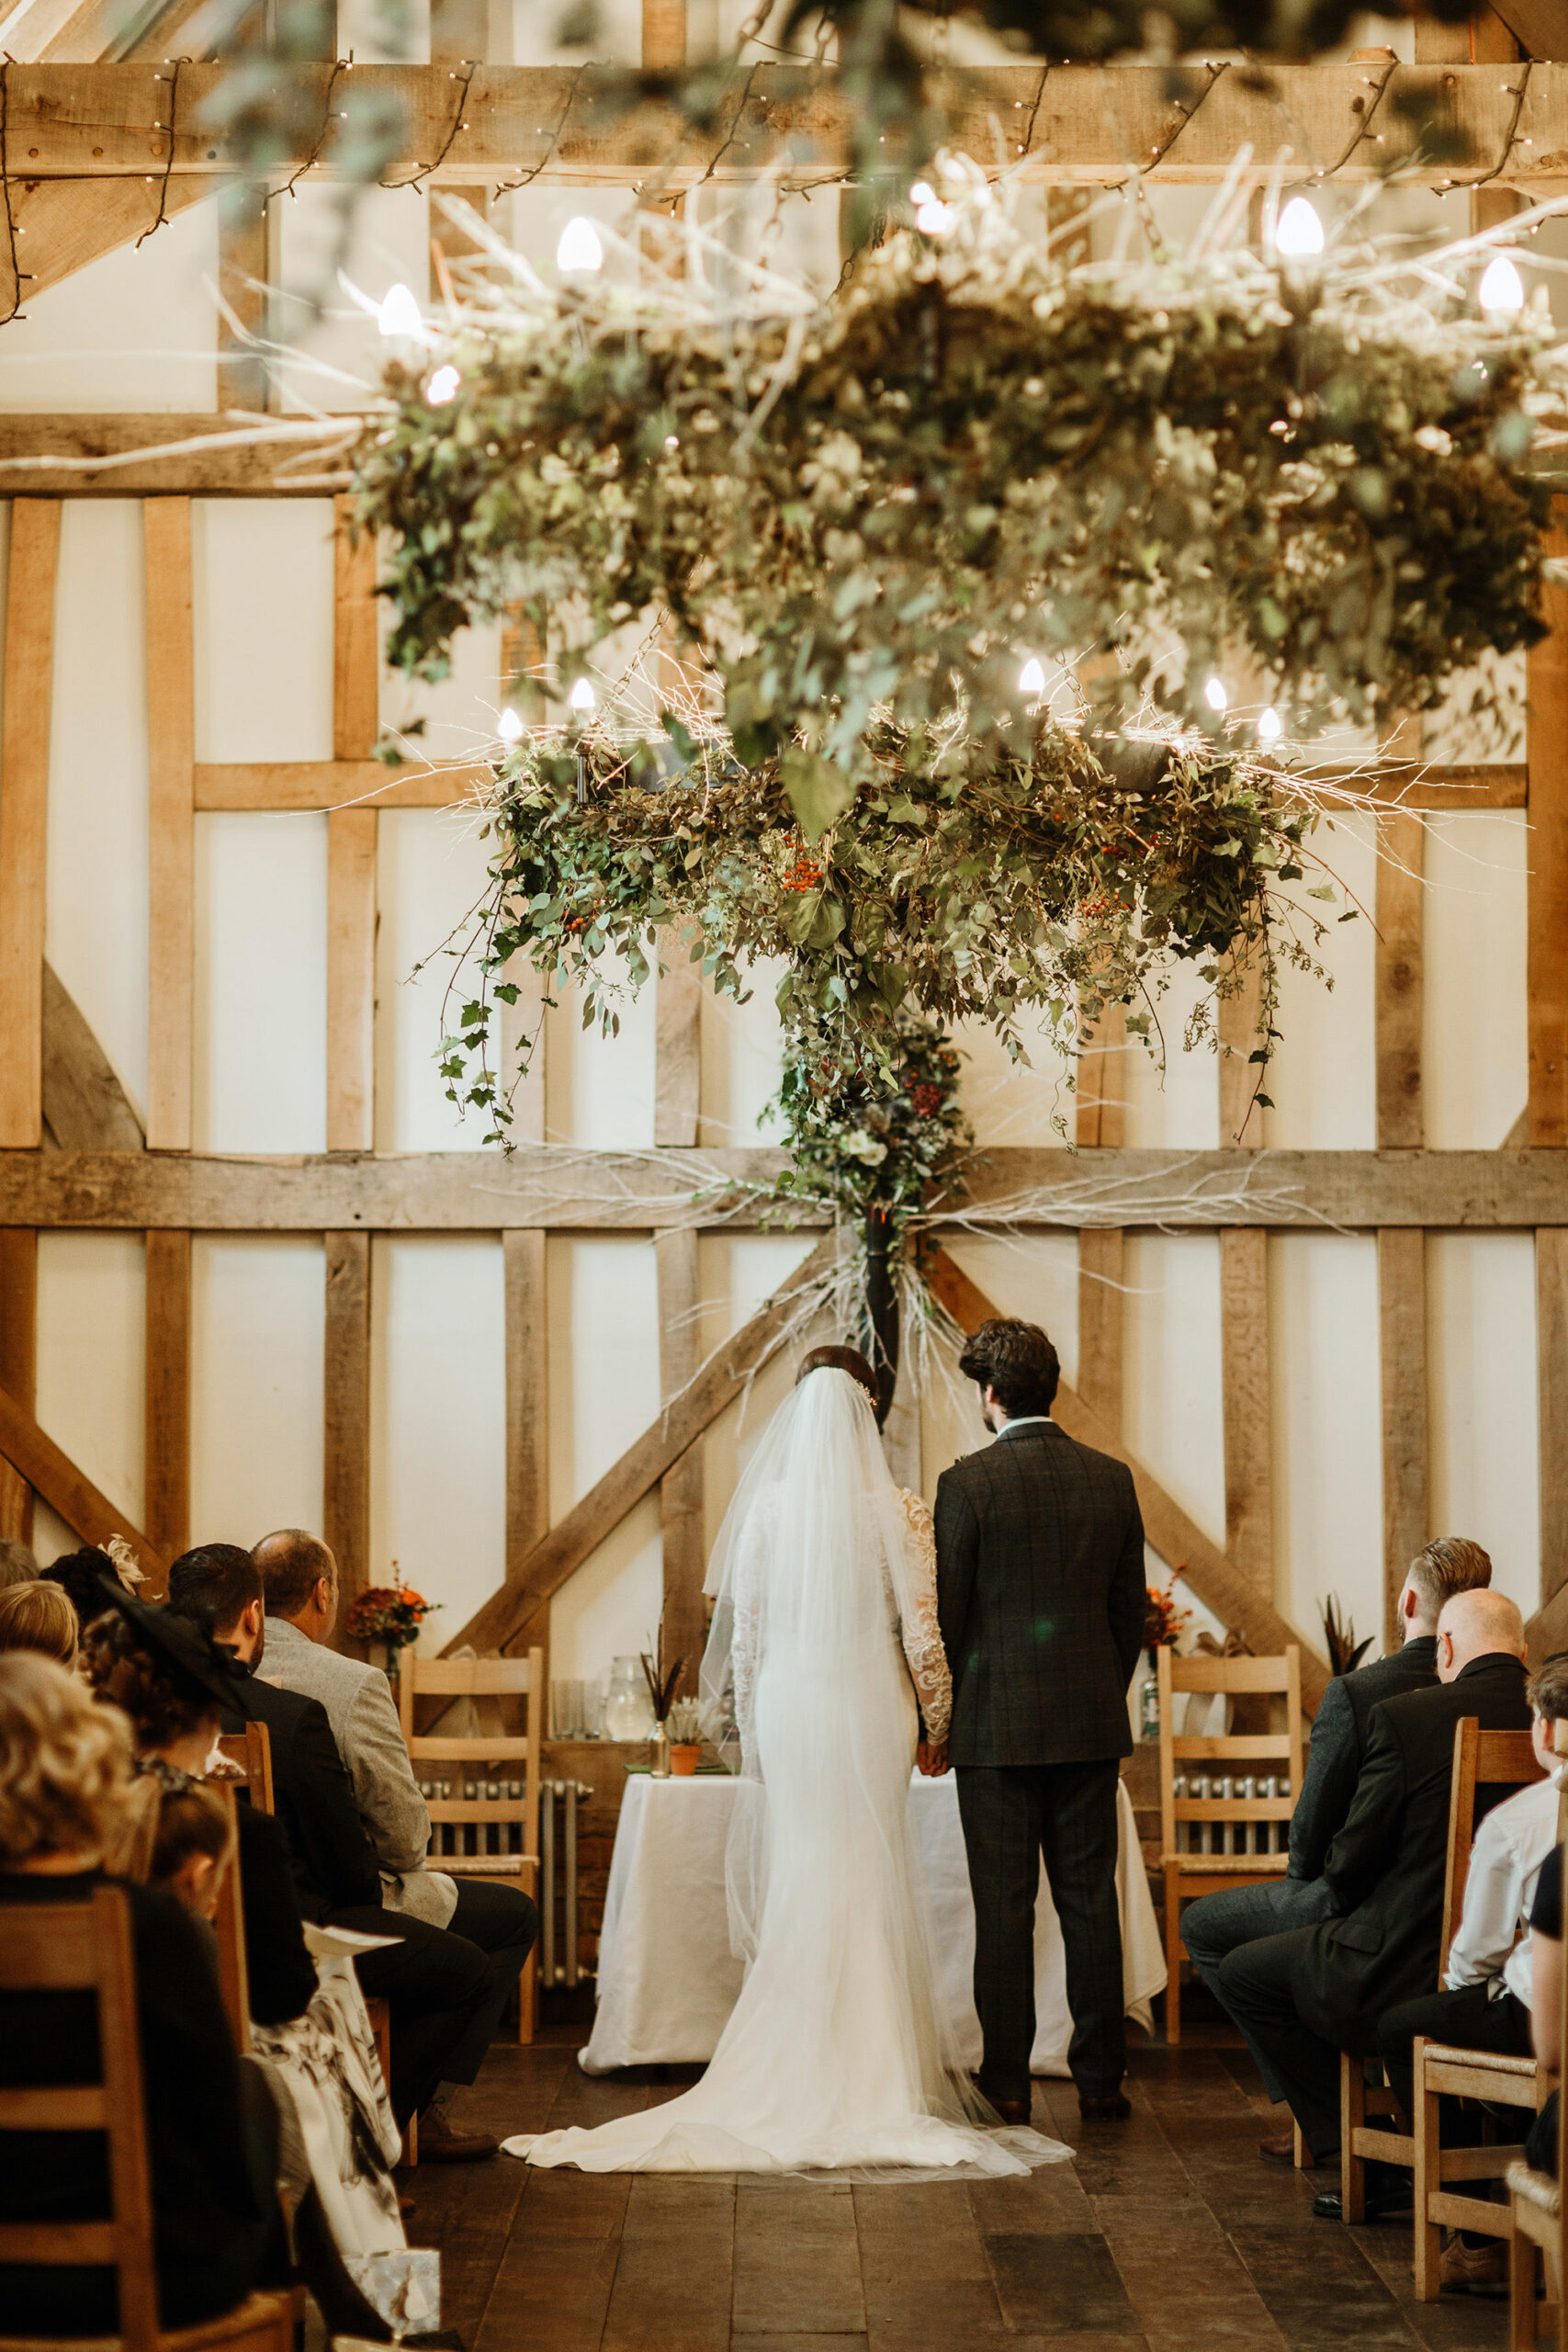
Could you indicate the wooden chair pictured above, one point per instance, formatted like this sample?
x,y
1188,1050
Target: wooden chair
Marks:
x,y
251,1749
511,1677
1479,1757
1193,1874
1468,2074
1535,2211
86,1948
228,1927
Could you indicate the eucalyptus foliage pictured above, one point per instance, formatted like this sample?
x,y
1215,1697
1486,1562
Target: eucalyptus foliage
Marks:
x,y
973,455
891,1145
1035,880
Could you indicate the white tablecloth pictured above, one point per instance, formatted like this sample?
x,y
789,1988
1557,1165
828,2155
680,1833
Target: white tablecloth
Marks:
x,y
668,1979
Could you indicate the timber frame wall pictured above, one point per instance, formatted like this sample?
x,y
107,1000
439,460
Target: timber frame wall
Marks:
x,y
1400,1191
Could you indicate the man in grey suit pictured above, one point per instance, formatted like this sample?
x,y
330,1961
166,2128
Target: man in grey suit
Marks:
x,y
1217,1925
461,1947
1041,1595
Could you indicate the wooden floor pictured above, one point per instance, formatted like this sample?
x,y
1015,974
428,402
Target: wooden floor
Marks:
x,y
1166,2233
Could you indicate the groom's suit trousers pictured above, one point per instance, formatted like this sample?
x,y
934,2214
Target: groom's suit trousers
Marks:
x,y
1013,1814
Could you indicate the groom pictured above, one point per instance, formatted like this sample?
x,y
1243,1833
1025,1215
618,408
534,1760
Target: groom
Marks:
x,y
1041,1596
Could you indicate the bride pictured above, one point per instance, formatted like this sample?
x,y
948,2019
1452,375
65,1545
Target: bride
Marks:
x,y
824,1637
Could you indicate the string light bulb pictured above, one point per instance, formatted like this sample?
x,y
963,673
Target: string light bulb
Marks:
x,y
1502,290
581,696
511,728
1300,233
935,219
1270,727
400,315
1032,678
922,193
579,249
1215,695
443,387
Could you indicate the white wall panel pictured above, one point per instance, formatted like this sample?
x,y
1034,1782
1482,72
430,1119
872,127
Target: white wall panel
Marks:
x,y
1482,1367
599,1090
136,331
1016,1102
1176,1108
337,353
261,984
1171,1398
736,1272
438,1420
1323,1079
257,1309
91,1309
430,871
1328,1420
742,1063
604,1372
1475,1036
97,936
460,711
262,575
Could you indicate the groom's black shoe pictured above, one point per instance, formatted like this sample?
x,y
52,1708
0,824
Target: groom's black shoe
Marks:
x,y
1113,2108
1012,2110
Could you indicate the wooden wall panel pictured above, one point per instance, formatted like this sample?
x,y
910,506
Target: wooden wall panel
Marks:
x,y
681,1488
528,1395
346,1481
243,258
18,1363
350,850
664,35
1400,891
1551,1361
1406,1476
1548,888
1236,1020
24,812
1100,1122
678,1063
170,721
167,1420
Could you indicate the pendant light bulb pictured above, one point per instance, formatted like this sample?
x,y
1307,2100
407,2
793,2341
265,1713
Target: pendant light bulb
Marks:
x,y
582,697
1300,233
1270,727
1215,695
400,315
511,728
1031,679
443,387
1502,290
579,249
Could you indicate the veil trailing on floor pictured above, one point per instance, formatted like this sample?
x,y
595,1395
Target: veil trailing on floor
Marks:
x,y
834,2056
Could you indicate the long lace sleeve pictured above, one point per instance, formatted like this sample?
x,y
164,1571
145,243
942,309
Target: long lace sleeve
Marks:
x,y
914,1585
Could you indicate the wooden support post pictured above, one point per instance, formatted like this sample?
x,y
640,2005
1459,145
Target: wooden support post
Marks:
x,y
678,1062
1407,1477
171,722
18,1363
663,36
351,852
345,1480
1547,915
243,271
528,1393
1401,852
166,1510
459,33
23,813
1482,40
1100,1122
681,1488
1552,1373
1249,1458
1238,1021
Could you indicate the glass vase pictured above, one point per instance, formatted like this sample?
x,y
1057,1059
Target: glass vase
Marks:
x,y
628,1709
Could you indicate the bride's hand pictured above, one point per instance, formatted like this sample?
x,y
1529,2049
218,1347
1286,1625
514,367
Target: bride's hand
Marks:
x,y
931,1758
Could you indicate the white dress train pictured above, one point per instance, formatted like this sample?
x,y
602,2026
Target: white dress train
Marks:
x,y
825,1629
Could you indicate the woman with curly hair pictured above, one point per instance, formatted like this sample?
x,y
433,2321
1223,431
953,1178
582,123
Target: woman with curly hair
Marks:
x,y
66,1769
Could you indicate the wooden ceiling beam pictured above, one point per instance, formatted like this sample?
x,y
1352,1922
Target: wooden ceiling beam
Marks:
x,y
1082,125
59,456
565,1188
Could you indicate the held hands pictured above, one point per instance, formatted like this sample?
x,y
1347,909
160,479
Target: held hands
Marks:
x,y
930,1755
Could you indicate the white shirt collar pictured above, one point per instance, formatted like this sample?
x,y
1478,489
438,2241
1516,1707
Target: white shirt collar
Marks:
x,y
1026,1422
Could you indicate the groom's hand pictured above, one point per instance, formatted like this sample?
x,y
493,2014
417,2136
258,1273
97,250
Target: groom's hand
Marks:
x,y
931,1758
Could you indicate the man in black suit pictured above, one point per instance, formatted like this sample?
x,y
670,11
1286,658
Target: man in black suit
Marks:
x,y
1303,1996
1041,1595
1217,1924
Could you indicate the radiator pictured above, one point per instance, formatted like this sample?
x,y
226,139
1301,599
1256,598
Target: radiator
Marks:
x,y
558,1864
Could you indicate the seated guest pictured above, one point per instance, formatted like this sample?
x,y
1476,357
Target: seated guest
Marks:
x,y
81,1576
1216,1924
218,1587
494,1925
1546,2003
38,1616
191,1848
1303,1996
64,1770
1486,1996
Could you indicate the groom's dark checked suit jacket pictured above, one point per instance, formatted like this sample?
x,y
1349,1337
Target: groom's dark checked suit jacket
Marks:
x,y
1041,1593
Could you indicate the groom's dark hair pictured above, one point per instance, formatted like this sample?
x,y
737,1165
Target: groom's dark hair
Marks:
x,y
1017,1359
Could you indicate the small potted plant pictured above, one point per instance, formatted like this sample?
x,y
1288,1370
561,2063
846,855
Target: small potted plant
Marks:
x,y
388,1617
684,1725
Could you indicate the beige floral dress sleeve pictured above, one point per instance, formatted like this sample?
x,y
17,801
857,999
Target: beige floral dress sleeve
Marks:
x,y
914,1594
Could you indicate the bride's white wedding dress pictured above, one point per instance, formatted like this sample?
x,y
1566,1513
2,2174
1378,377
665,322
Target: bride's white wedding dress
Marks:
x,y
825,1627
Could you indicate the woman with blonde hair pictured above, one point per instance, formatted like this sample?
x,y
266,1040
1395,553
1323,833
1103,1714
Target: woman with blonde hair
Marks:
x,y
40,1617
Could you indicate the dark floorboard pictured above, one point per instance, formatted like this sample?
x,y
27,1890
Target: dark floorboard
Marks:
x,y
1165,2233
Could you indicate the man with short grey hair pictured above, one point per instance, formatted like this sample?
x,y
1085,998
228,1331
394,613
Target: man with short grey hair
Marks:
x,y
461,1948
1218,1924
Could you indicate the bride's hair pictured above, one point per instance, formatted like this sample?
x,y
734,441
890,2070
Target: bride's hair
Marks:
x,y
848,1360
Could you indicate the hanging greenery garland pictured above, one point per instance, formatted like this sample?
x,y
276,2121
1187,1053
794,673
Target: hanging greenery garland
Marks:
x,y
973,460
1044,881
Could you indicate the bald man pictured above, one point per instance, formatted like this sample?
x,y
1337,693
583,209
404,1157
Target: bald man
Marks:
x,y
1302,1998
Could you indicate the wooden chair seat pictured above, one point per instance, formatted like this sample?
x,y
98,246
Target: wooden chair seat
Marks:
x,y
1537,2191
263,2322
1251,1868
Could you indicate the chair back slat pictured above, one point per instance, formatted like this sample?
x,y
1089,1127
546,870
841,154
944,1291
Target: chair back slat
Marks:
x,y
1277,1675
1200,1673
472,1677
74,2107
1481,1760
479,1678
251,1749
59,2245
228,1927
48,1948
